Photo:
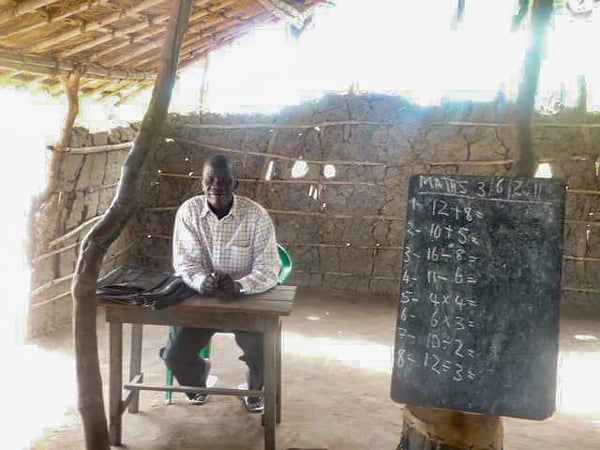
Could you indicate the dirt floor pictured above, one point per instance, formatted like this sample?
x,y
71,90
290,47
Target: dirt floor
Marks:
x,y
336,383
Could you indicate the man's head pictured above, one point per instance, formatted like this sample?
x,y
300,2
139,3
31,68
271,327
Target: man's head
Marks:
x,y
218,181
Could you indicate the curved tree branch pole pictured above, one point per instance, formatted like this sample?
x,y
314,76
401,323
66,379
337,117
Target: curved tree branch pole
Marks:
x,y
100,237
526,162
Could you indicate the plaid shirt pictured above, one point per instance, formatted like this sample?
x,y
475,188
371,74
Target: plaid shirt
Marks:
x,y
241,244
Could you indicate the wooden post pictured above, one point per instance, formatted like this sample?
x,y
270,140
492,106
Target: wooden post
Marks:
x,y
108,228
425,428
71,84
525,165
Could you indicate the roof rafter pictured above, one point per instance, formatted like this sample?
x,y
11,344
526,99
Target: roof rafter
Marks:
x,y
54,19
23,8
146,36
91,26
204,29
40,65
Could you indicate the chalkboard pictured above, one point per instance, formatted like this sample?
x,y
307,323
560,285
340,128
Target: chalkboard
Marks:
x,y
477,326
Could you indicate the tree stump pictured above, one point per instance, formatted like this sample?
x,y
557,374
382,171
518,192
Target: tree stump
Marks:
x,y
439,429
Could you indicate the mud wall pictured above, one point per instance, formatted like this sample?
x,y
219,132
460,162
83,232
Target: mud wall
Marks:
x,y
86,183
333,174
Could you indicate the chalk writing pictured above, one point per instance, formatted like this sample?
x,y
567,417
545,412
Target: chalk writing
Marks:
x,y
462,244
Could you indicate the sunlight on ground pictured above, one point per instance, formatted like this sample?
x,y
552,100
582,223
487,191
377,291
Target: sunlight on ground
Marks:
x,y
577,390
376,357
578,378
44,390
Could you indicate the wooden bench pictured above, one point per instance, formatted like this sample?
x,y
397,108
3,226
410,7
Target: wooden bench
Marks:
x,y
259,312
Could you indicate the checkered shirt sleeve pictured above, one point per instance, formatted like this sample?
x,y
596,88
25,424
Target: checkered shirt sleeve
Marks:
x,y
242,244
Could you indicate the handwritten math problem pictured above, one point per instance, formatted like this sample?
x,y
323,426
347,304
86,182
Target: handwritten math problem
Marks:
x,y
464,293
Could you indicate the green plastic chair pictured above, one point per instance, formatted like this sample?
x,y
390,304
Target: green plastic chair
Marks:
x,y
285,271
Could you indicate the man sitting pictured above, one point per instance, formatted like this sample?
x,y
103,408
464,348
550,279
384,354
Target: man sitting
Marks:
x,y
221,242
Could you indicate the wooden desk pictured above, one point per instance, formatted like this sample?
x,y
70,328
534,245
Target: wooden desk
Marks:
x,y
260,312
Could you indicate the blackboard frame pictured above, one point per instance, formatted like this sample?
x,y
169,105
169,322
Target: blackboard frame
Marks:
x,y
497,349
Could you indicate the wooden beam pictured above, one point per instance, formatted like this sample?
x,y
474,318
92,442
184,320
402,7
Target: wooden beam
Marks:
x,y
146,36
123,99
22,8
95,149
91,26
54,19
40,65
110,226
115,34
155,43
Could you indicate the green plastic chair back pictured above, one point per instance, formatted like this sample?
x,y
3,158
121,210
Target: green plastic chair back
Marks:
x,y
286,264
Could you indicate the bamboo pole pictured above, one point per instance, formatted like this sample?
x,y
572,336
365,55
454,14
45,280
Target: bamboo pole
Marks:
x,y
143,37
54,19
299,213
123,99
197,47
22,8
73,232
92,26
196,38
273,155
122,33
191,175
50,300
44,287
40,65
303,126
584,290
95,149
342,162
47,255
97,241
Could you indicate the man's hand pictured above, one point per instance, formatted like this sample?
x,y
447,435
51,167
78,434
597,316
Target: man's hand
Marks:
x,y
228,285
209,285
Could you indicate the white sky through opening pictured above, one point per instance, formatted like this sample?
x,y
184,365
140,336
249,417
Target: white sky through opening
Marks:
x,y
400,47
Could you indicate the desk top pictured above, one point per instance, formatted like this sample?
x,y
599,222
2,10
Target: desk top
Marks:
x,y
277,301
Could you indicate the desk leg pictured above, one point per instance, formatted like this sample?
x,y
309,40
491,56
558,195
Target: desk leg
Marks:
x,y
135,363
278,343
115,381
270,387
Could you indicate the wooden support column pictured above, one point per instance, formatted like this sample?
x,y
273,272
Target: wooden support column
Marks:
x,y
108,228
525,164
71,85
425,428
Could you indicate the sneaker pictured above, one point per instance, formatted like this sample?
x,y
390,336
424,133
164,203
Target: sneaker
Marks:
x,y
252,404
197,399
200,398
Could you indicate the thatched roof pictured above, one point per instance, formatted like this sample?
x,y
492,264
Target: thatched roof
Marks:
x,y
116,43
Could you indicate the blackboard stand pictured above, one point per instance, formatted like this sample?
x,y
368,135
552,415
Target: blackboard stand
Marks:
x,y
449,430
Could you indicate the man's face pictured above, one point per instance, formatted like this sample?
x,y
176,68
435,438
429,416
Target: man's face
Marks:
x,y
218,185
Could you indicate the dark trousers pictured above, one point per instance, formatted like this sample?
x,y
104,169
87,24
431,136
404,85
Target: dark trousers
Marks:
x,y
181,355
